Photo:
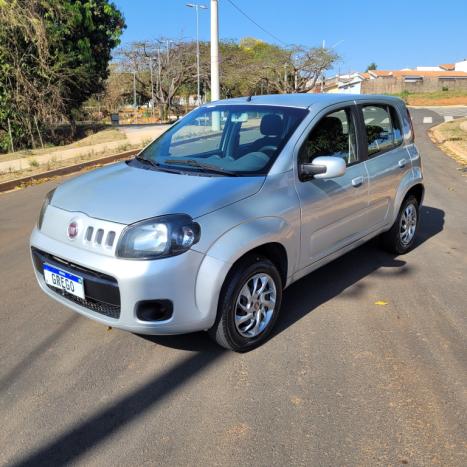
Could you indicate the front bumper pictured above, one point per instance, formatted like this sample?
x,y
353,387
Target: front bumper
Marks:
x,y
173,279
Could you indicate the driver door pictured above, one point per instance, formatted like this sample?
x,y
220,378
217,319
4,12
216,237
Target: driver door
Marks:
x,y
334,211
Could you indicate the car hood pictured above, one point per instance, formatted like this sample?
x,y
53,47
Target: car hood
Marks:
x,y
124,194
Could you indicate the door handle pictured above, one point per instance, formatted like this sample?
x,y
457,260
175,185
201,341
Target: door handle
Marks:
x,y
402,163
356,182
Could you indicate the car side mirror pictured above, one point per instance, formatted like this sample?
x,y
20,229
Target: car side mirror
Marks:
x,y
323,167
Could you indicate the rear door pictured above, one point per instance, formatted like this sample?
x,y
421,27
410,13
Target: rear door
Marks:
x,y
333,211
387,159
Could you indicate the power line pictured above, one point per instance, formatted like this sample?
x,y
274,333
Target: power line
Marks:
x,y
255,23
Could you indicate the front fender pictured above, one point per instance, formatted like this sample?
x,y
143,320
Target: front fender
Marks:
x,y
230,247
244,237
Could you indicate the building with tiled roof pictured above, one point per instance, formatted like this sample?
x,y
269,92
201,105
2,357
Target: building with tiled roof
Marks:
x,y
420,79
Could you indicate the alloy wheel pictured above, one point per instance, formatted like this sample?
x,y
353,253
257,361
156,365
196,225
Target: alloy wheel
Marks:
x,y
255,305
408,224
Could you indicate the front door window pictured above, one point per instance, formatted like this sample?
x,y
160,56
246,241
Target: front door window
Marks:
x,y
334,135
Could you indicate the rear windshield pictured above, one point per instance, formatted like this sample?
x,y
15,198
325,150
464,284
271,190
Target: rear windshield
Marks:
x,y
235,139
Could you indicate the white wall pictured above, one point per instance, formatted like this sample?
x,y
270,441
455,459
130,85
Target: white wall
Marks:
x,y
461,66
353,88
429,68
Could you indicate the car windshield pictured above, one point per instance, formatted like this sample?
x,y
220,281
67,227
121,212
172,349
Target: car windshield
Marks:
x,y
231,140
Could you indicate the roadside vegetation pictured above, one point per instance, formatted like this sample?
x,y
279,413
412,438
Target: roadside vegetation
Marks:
x,y
103,136
446,97
55,163
54,55
451,137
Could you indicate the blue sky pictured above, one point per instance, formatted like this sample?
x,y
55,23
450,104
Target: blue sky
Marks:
x,y
393,33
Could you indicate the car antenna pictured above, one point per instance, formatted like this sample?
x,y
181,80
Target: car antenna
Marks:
x,y
248,99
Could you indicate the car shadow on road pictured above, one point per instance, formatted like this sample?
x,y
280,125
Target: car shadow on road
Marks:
x,y
344,275
90,431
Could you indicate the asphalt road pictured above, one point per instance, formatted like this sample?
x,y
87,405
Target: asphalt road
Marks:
x,y
342,382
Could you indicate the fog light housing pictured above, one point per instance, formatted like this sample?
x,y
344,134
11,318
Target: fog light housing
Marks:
x,y
154,310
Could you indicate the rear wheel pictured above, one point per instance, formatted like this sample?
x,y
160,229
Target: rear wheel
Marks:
x,y
401,237
248,305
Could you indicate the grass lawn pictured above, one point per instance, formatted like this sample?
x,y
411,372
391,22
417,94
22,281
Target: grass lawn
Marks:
x,y
434,98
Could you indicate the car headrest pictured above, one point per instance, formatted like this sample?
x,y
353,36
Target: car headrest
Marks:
x,y
271,125
331,125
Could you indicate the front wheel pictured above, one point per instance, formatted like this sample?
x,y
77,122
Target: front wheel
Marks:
x,y
248,305
401,237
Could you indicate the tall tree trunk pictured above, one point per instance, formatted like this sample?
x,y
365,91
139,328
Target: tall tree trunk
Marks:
x,y
72,127
30,129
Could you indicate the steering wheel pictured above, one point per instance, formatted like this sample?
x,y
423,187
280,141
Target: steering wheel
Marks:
x,y
269,149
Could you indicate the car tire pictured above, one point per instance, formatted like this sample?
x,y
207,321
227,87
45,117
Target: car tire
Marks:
x,y
401,237
245,320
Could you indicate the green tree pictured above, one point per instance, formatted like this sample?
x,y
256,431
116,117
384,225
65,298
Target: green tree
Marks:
x,y
372,66
54,54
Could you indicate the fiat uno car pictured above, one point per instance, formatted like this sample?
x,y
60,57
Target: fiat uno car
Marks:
x,y
242,197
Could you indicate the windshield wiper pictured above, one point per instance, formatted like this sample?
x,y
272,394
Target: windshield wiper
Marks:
x,y
207,167
156,165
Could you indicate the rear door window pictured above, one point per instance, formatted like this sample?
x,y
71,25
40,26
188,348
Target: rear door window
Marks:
x,y
383,128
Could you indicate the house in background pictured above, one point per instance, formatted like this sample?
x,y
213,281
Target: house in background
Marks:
x,y
397,81
458,66
421,79
350,83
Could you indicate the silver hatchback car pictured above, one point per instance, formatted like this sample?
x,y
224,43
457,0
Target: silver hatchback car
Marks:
x,y
209,223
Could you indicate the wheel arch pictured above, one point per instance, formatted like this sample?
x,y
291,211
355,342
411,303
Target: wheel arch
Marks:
x,y
272,238
273,251
418,191
406,188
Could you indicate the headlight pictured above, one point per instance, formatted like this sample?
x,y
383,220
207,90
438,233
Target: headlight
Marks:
x,y
47,200
159,237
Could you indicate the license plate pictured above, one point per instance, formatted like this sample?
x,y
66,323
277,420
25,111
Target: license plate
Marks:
x,y
64,280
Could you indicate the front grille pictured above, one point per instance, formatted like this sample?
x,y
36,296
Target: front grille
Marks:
x,y
112,311
102,294
96,236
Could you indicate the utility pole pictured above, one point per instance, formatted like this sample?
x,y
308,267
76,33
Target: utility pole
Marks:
x,y
134,89
134,97
152,87
215,88
167,43
159,70
197,7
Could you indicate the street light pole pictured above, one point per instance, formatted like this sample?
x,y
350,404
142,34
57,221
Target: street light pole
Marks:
x,y
197,6
215,91
198,93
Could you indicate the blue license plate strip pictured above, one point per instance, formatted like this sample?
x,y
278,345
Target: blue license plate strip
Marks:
x,y
64,280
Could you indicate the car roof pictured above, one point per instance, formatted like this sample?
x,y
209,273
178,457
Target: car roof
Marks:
x,y
304,100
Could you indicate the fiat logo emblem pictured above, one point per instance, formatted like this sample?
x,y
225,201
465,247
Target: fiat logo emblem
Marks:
x,y
73,230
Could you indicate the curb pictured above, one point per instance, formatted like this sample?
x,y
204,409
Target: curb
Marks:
x,y
21,182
